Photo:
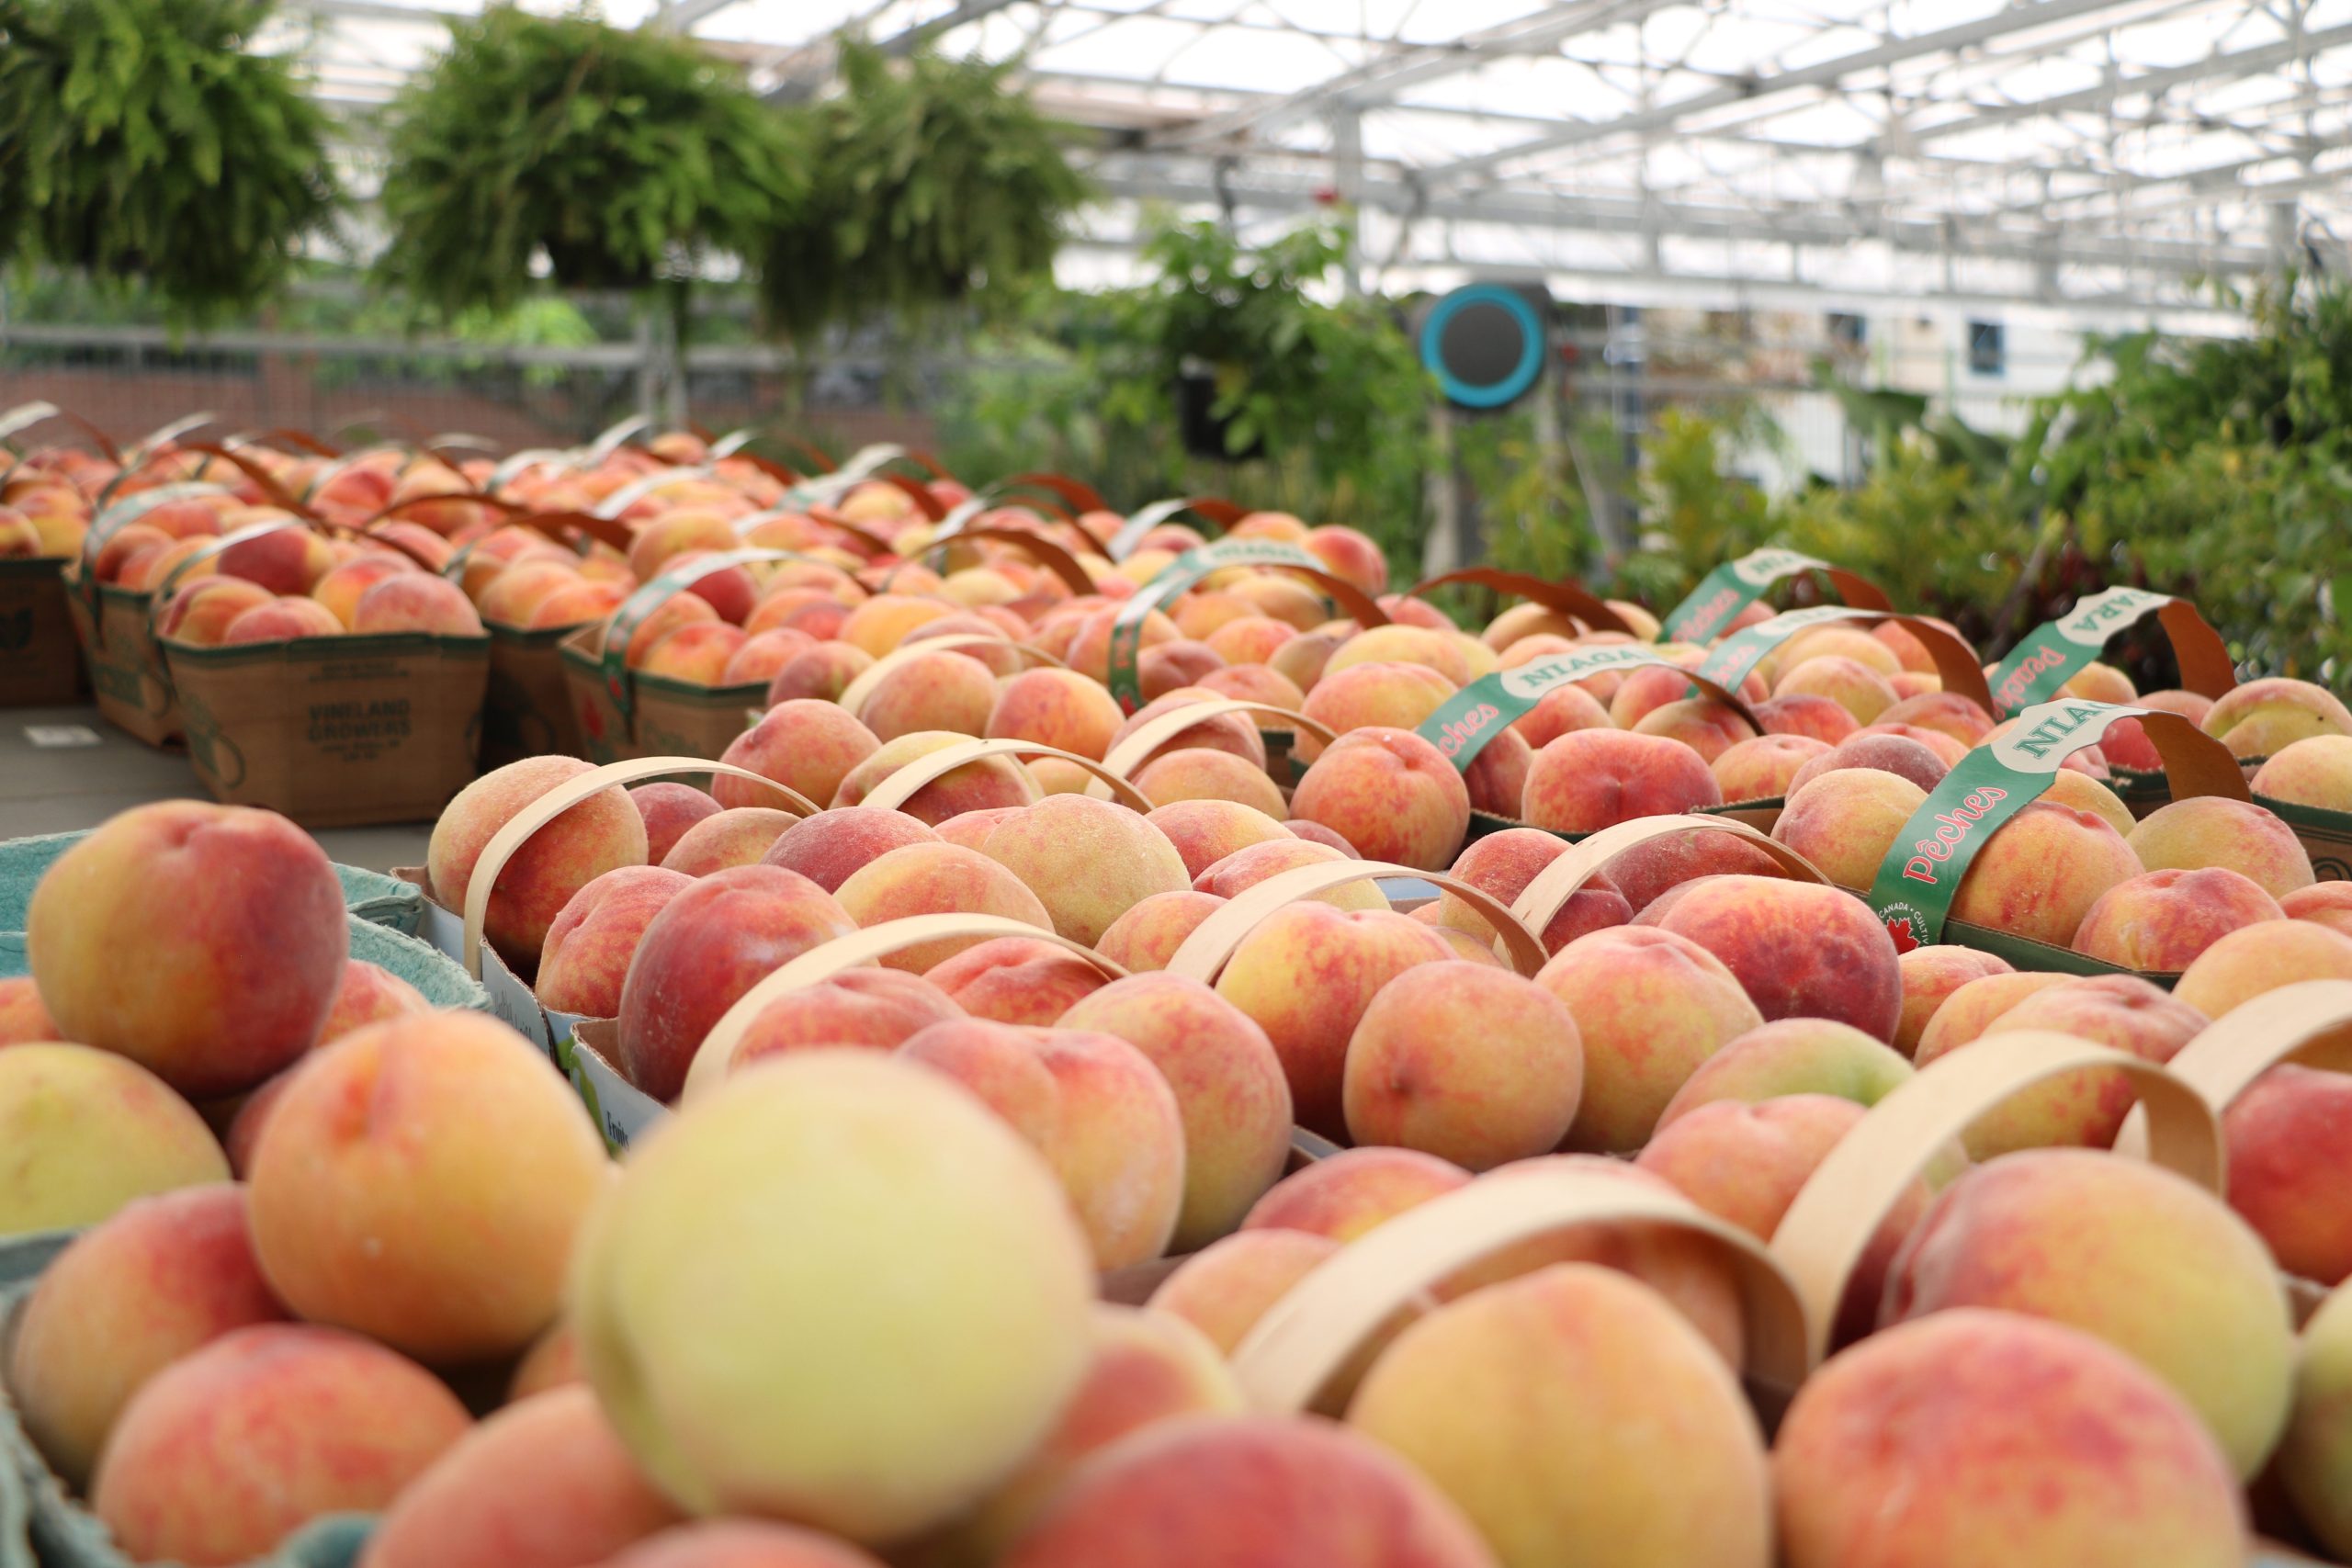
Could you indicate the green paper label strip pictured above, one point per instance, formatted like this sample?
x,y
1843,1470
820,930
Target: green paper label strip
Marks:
x,y
1214,510
2058,650
1923,869
1734,585
1470,718
1126,627
1731,660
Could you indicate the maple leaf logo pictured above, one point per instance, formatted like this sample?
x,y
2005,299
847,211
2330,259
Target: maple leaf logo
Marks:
x,y
1901,931
592,720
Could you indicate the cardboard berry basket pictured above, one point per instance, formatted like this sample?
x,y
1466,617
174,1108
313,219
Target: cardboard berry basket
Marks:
x,y
1125,648
1732,587
116,629
528,711
41,662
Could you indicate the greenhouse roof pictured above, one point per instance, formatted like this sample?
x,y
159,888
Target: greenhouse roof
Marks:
x,y
2093,153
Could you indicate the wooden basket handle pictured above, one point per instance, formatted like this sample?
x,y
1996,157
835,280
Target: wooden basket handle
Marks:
x,y
853,695
1044,552
1544,898
1839,1209
1288,1361
1136,748
2292,1023
856,951
1204,954
1569,598
519,828
901,786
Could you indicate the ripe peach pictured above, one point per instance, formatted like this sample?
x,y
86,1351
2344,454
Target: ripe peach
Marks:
x,y
1300,660
1390,793
2251,960
669,810
1794,1056
762,655
1203,774
1559,712
2101,683
2214,831
1802,712
2315,1458
1496,777
1760,767
416,601
511,598
1860,691
1930,977
2326,904
2084,793
1174,665
1905,759
127,541
1205,831
22,1016
696,654
674,614
1236,733
587,952
1087,860
1358,696
1648,872
1054,707
194,891
935,879
1845,821
1969,1011
1397,644
1255,683
201,613
282,620
2263,717
341,588
1836,641
738,836
741,1543
228,1451
1947,712
1707,727
2114,1247
1465,1062
1148,935
991,783
1317,833
806,745
970,830
538,879
1224,1288
2042,870
1248,639
1202,612
578,604
1350,554
285,561
1011,979
828,847
1252,863
1591,779
2317,772
942,691
1886,1452
368,994
676,532
877,1008
1502,864
2161,921
1800,950
1354,1191
730,589
2288,1136
823,673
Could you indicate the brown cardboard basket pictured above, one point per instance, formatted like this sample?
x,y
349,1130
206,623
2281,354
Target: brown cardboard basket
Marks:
x,y
41,659
529,711
127,678
2326,836
666,717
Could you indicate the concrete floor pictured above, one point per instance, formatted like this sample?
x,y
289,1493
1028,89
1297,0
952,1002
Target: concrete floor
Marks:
x,y
48,788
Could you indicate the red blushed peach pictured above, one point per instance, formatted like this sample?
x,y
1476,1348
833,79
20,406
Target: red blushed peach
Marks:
x,y
1087,860
2042,870
1089,652
538,879
756,663
163,1276
2289,1137
1205,831
1465,1062
127,541
822,672
805,744
2214,831
2160,921
542,1483
1283,599
1361,696
730,589
1947,712
1794,1056
1201,774
227,1452
696,655
1236,733
828,847
201,613
674,535
1306,973
710,944
1255,683
587,952
1707,727
1800,950
1819,717
1910,653
2326,904
341,588
2083,1108
1969,1011
1354,1191
194,891
970,830
1502,864
1861,691
877,1009
1350,554
1647,872
1886,1452
358,1163
1094,1107
2252,960
1527,649
2118,1248
1760,767
2126,743
1905,759
2084,793
1591,779
823,620
1327,1496
1496,777
1317,833
1559,712
669,810
1390,793
1011,979
774,607
936,879
579,605
370,994
1931,976
416,601
1746,1162
1301,659
511,598
2264,718
741,1543
1054,708
990,783
944,691
673,613
1148,935
1642,691
22,1016
1230,1092
1845,821
1249,640
287,561
1226,1287
1177,664
281,620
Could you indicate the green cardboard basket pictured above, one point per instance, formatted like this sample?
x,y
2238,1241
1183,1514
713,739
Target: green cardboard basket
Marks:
x,y
369,894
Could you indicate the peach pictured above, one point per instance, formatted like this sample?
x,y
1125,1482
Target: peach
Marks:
x,y
2326,904
1885,1453
704,949
2161,921
416,601
2316,1457
1571,1407
1236,733
925,1383
2289,1135
741,1543
542,1483
2317,772
673,615
22,1016
1204,773
878,1008
2115,1248
368,994
2083,793
758,659
194,891
1520,621
696,655
828,847
1397,644
1248,639
1802,712
1502,864
129,541
1011,979
1289,1490
1836,641
203,612
1248,867
1760,767
2101,683
1317,833
2042,870
1845,822
1350,554
1393,696
1800,950
680,531
1862,692
970,830
991,783
822,672
668,810
806,745
163,1277
1087,860
1559,711
1202,612
1306,973
284,561
1650,1007
341,588
1094,1107
1054,707
1255,683
228,1451
578,604
1793,1055
539,878
1468,1063
935,879
1648,872
1591,779
2214,831
2246,963
1148,935
1496,777
741,835
1172,665
2263,717
1969,1011
552,1362
512,597
1948,712
1707,727
1905,759
1226,1287
941,691
588,949
1354,1191
281,620
730,589
1931,975
1205,831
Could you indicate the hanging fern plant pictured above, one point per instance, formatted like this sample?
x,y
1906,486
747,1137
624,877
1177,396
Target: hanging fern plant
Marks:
x,y
933,182
621,155
139,142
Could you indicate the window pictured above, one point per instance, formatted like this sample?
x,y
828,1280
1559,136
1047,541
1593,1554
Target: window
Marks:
x,y
1988,352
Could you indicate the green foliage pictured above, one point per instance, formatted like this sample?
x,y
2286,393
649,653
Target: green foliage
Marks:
x,y
621,154
139,142
932,183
